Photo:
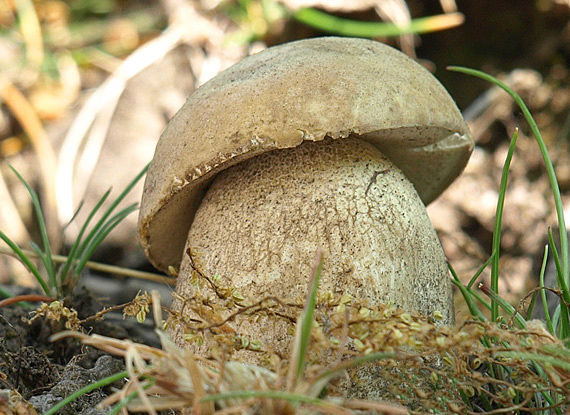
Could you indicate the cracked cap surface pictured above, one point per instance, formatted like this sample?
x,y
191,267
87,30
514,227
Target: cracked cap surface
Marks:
x,y
278,98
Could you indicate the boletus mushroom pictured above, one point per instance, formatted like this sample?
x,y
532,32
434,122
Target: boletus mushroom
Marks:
x,y
330,143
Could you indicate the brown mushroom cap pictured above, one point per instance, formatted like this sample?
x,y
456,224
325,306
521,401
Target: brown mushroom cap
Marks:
x,y
298,91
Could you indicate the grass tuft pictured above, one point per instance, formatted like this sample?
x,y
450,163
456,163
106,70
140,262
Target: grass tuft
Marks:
x,y
60,281
561,319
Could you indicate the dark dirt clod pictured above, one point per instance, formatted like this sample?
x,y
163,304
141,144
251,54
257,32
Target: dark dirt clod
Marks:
x,y
73,378
44,372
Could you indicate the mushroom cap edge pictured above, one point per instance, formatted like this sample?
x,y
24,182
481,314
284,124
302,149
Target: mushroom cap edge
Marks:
x,y
300,91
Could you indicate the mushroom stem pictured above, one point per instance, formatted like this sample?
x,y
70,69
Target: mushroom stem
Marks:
x,y
262,221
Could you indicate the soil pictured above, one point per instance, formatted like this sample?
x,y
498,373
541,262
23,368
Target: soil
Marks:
x,y
44,372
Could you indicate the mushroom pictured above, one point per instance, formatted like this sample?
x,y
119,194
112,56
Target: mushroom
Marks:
x,y
328,143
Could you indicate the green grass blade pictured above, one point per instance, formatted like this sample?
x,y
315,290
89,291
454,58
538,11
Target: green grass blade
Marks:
x,y
543,292
498,225
554,361
83,249
557,351
555,256
565,265
270,394
89,238
35,247
74,215
91,387
4,294
480,271
46,258
127,399
42,256
486,403
100,235
501,302
72,257
353,28
26,261
468,295
556,318
541,372
306,321
561,316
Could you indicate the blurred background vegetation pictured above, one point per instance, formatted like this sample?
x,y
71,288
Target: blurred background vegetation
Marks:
x,y
87,86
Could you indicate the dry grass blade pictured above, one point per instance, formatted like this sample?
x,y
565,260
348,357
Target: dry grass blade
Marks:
x,y
444,21
343,6
348,6
135,367
10,219
111,345
31,31
11,223
205,408
383,407
91,124
448,6
303,329
106,96
397,11
31,124
97,266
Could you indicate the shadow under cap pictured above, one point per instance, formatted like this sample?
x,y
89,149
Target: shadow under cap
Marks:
x,y
300,91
